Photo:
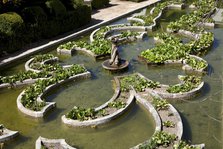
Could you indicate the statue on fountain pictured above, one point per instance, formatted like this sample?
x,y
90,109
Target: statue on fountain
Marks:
x,y
114,61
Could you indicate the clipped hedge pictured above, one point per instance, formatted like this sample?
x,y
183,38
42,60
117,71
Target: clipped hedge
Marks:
x,y
11,31
55,8
42,19
96,4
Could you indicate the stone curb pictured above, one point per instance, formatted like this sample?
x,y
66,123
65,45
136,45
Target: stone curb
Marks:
x,y
8,135
62,143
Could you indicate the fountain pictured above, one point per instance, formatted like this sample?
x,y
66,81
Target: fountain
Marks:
x,y
115,63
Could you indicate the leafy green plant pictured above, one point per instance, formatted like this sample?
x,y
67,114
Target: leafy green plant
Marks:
x,y
117,104
29,98
160,138
168,124
189,83
68,46
42,57
81,114
160,104
196,64
138,83
184,145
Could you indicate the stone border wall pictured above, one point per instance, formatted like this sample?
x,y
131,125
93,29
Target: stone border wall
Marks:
x,y
62,143
8,135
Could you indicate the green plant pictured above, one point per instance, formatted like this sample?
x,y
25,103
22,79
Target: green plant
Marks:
x,y
189,83
117,104
160,138
168,124
184,145
81,114
137,82
196,64
160,104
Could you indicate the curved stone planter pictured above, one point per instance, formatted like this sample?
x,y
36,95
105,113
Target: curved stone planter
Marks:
x,y
55,143
118,28
8,135
18,83
29,62
189,68
49,105
129,39
100,120
164,94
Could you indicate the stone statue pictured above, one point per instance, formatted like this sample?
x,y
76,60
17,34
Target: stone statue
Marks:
x,y
114,61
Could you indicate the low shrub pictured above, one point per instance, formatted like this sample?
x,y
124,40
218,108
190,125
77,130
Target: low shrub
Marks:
x,y
96,4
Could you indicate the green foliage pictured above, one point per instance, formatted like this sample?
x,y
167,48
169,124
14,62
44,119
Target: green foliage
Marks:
x,y
196,64
29,98
96,4
55,8
168,124
42,57
189,83
98,46
129,34
160,104
184,145
81,114
137,82
160,138
117,104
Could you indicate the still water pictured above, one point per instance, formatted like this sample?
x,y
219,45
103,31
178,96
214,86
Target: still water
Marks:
x,y
202,116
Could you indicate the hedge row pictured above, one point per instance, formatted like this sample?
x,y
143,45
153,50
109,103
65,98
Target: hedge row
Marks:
x,y
41,19
99,3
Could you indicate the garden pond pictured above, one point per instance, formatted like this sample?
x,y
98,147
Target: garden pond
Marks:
x,y
202,115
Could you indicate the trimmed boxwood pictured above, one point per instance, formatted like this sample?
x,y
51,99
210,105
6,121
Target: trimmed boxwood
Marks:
x,y
11,31
55,8
96,4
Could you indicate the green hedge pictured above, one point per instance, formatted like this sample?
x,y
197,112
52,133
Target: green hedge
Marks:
x,y
11,31
99,3
45,20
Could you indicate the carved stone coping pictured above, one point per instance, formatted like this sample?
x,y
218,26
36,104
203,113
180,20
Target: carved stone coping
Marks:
x,y
176,6
189,68
179,124
49,105
61,143
29,62
8,135
100,120
18,83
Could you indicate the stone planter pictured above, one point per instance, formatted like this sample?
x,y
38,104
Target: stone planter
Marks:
x,y
49,105
99,120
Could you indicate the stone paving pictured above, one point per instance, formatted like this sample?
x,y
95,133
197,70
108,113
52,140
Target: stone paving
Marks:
x,y
115,10
218,17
